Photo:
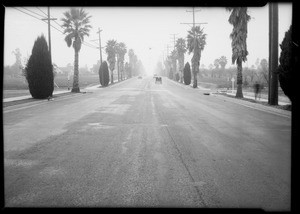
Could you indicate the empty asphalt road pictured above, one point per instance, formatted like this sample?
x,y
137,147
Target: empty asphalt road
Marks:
x,y
141,144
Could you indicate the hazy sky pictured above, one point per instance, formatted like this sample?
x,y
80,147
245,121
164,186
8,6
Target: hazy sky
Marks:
x,y
140,28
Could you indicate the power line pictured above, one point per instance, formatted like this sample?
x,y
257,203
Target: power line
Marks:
x,y
95,41
28,14
33,12
57,23
84,43
42,11
89,45
50,16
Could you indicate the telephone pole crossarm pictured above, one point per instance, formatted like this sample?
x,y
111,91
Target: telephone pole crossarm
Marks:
x,y
194,23
201,23
193,10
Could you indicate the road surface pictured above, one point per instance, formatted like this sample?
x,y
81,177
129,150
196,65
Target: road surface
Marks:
x,y
141,144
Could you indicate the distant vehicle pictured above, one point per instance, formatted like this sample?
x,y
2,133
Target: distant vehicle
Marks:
x,y
140,77
158,80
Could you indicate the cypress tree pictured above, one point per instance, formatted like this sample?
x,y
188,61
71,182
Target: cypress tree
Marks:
x,y
39,71
187,76
104,74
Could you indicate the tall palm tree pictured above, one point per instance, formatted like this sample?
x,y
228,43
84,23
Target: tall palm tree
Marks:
x,y
135,65
168,64
121,50
181,50
111,47
174,62
196,41
130,55
239,19
76,24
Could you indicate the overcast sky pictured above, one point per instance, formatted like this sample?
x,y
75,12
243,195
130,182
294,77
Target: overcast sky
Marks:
x,y
141,28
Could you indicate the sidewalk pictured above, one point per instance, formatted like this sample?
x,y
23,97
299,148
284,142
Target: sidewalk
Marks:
x,y
250,95
11,99
29,96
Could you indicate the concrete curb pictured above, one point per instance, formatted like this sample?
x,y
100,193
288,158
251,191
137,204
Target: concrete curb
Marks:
x,y
13,99
189,86
260,99
257,106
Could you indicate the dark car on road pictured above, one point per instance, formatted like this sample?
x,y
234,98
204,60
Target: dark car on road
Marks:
x,y
158,80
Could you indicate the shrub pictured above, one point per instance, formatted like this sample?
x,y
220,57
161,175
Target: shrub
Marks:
x,y
187,76
287,64
104,74
39,71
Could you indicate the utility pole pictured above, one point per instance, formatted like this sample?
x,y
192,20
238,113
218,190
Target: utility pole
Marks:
x,y
100,48
174,40
49,32
167,72
99,31
194,23
273,54
168,50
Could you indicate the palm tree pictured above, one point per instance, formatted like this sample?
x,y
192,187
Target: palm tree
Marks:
x,y
168,64
130,55
76,24
216,63
181,49
111,47
239,19
121,50
196,42
223,62
135,65
174,62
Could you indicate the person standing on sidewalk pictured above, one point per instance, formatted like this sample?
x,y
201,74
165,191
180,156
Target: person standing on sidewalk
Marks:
x,y
257,88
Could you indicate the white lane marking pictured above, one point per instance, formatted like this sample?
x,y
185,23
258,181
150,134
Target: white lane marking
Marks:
x,y
124,148
152,106
128,138
198,183
19,162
